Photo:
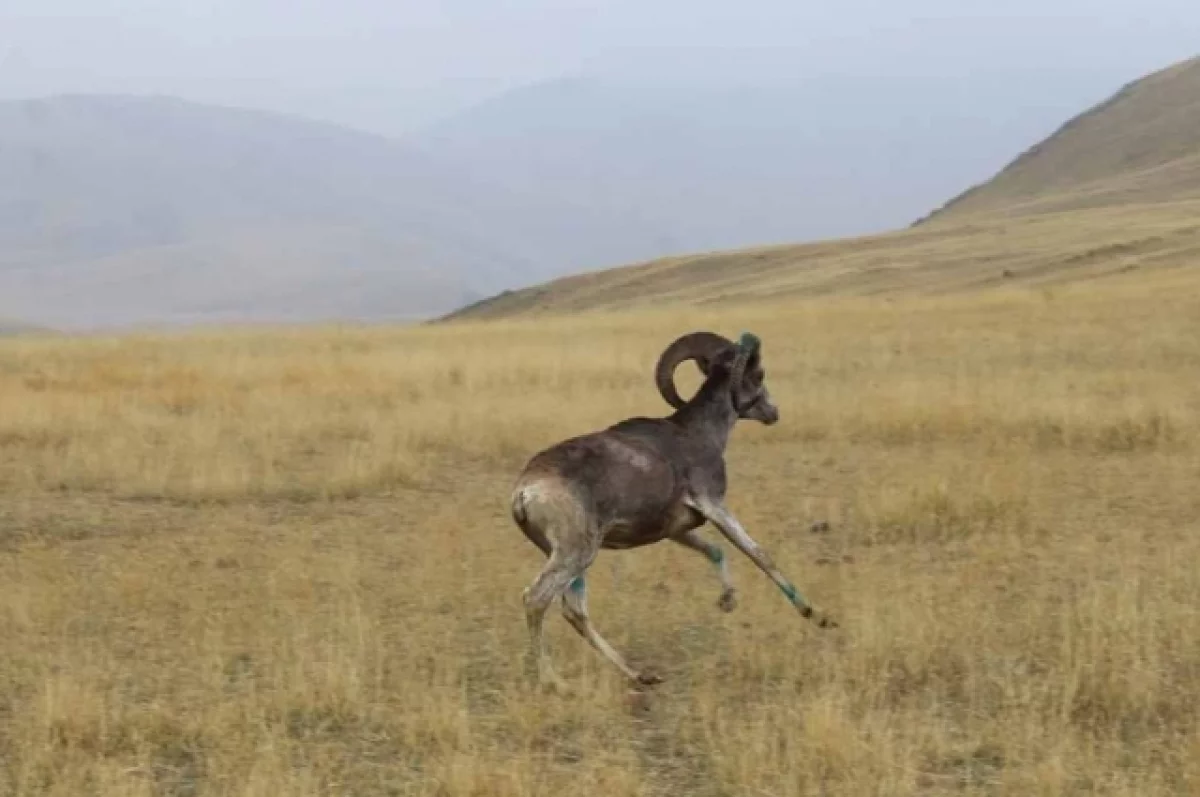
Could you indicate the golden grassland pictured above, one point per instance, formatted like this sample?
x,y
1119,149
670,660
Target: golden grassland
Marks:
x,y
280,563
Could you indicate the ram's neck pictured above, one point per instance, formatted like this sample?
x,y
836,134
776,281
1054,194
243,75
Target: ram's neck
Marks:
x,y
709,415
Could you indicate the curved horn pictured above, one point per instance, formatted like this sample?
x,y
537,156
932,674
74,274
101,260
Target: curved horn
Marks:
x,y
702,347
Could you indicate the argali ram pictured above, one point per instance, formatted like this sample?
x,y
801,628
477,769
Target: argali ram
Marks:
x,y
641,481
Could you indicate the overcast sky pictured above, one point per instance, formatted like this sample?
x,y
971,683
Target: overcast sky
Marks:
x,y
388,65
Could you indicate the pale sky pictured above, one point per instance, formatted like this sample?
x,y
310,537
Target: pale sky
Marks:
x,y
387,66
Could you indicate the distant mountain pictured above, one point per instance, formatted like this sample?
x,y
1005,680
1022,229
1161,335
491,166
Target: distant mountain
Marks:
x,y
14,328
1139,146
121,210
704,157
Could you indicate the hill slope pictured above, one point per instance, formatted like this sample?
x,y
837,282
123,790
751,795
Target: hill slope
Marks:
x,y
1116,189
1142,145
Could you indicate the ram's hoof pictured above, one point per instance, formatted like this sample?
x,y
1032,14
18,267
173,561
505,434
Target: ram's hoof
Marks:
x,y
649,679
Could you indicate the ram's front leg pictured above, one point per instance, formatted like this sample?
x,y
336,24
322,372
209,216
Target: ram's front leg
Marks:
x,y
717,514
713,553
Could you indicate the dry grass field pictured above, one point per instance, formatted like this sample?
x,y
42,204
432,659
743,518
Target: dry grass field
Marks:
x,y
279,562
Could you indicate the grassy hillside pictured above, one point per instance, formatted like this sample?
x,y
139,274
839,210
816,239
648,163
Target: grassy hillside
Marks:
x,y
1034,251
1139,147
1117,189
280,563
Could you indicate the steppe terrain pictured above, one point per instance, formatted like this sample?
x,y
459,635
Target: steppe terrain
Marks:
x,y
279,561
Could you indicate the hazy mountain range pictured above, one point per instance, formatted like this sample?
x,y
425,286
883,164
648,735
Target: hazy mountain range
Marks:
x,y
119,210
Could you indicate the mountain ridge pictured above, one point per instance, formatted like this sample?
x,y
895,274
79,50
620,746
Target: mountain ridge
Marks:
x,y
1136,98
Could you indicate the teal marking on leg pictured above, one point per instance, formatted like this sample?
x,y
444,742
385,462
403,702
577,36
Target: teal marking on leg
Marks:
x,y
795,597
578,586
716,555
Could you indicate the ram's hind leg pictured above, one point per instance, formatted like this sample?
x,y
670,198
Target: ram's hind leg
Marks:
x,y
549,584
557,524
715,554
575,610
